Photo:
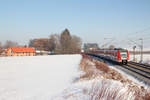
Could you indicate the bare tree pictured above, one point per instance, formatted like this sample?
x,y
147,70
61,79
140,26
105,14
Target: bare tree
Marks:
x,y
39,44
1,50
70,43
111,47
65,41
54,43
9,44
58,44
76,44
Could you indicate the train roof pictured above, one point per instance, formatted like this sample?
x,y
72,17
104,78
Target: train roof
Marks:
x,y
119,49
114,49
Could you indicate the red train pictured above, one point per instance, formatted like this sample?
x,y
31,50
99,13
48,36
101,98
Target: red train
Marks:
x,y
117,55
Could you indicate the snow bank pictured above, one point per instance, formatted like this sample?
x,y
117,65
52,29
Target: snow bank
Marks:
x,y
37,77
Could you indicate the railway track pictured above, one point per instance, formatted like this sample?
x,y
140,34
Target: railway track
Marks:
x,y
139,71
140,64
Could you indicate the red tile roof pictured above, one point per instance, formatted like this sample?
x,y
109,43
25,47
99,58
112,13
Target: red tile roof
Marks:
x,y
22,49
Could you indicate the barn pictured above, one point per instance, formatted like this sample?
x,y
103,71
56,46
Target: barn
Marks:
x,y
20,51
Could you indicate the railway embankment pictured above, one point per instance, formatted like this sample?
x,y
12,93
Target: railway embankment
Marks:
x,y
108,83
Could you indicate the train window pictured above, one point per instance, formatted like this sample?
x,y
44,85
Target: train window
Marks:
x,y
123,54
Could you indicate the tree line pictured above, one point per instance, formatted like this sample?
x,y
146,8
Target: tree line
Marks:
x,y
58,43
63,43
7,44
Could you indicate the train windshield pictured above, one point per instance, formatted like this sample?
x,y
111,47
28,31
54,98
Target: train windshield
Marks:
x,y
123,54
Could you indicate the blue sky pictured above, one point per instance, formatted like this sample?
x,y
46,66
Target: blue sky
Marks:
x,y
92,20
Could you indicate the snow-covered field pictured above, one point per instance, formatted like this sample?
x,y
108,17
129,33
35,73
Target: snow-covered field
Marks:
x,y
146,58
37,77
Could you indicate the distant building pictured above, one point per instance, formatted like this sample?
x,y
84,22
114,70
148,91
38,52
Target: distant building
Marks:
x,y
90,46
20,51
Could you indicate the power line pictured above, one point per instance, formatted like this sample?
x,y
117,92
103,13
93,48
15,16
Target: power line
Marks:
x,y
131,37
140,31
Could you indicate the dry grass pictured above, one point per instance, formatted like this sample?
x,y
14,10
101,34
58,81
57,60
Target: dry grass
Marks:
x,y
107,90
96,68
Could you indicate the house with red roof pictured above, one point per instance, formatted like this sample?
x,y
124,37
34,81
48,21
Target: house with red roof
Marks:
x,y
20,51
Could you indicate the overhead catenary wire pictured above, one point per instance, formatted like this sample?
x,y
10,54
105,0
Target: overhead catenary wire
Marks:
x,y
140,31
133,36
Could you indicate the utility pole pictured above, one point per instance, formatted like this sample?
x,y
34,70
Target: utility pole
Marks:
x,y
134,53
106,43
141,48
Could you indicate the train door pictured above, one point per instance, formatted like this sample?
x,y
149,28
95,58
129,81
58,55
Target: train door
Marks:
x,y
124,56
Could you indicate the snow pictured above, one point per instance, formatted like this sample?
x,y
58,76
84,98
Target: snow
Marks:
x,y
91,90
146,58
36,77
